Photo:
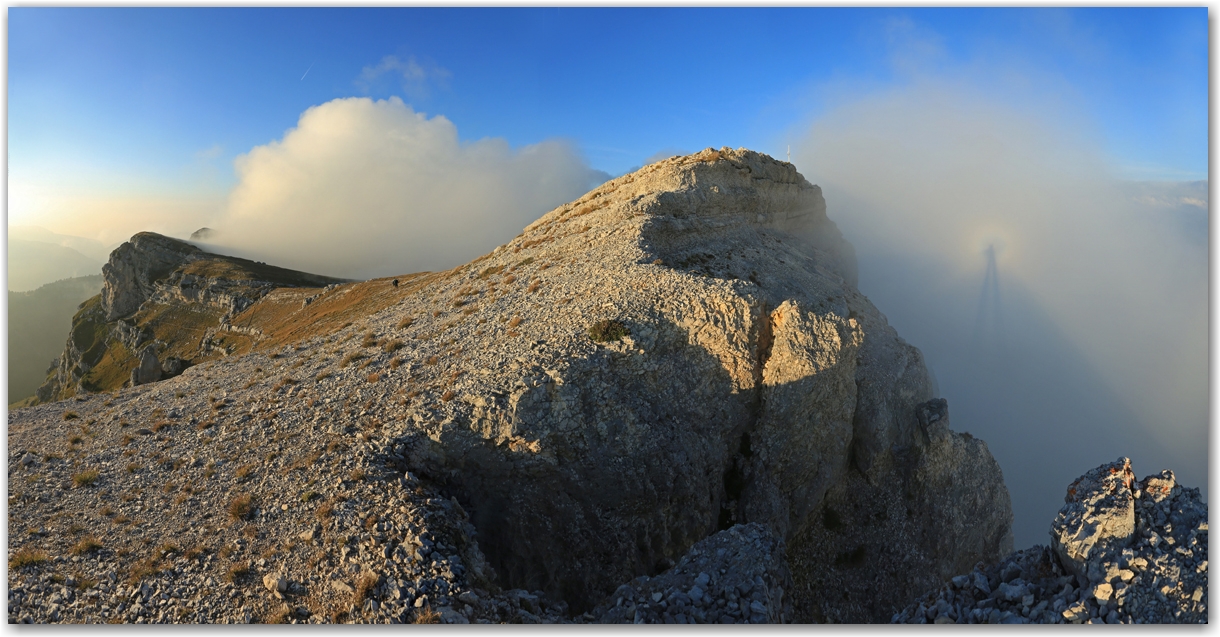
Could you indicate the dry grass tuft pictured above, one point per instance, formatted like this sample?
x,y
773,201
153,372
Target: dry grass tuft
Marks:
x,y
365,583
406,322
374,377
244,472
241,507
395,363
27,556
71,415
278,616
432,360
516,320
447,396
144,568
86,544
237,571
351,358
393,346
85,478
425,615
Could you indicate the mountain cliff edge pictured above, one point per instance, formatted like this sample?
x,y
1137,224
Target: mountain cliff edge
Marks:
x,y
679,358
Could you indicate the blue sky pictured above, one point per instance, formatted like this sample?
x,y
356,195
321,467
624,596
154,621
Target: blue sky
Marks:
x,y
158,102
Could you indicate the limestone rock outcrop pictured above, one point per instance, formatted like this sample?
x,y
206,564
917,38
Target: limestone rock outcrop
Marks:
x,y
1099,516
149,368
159,288
1121,552
751,371
679,353
131,274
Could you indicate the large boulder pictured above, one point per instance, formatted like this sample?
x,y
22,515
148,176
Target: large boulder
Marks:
x,y
148,369
1098,517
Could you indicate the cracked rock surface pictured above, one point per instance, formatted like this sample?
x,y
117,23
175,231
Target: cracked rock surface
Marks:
x,y
1123,552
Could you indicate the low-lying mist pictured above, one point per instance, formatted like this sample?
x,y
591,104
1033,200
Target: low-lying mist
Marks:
x,y
363,188
1088,340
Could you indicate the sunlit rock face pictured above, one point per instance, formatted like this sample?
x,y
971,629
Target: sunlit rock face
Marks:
x,y
681,352
753,380
1099,515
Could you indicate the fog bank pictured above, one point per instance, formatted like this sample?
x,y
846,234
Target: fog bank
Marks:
x,y
1089,342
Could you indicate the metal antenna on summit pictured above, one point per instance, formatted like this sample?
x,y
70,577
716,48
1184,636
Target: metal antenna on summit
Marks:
x,y
789,153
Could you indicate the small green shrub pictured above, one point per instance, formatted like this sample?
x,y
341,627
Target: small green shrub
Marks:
x,y
606,331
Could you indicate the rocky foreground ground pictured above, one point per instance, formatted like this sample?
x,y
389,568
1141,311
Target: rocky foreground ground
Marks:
x,y
1122,552
284,515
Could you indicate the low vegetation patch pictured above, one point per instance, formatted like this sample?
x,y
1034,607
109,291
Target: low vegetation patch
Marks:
x,y
26,556
86,544
241,507
606,331
85,478
364,583
244,472
237,571
351,358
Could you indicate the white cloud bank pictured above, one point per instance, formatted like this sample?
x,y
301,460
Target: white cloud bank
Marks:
x,y
363,188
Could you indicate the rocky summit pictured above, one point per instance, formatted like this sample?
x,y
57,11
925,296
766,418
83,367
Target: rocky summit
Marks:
x,y
666,401
1122,552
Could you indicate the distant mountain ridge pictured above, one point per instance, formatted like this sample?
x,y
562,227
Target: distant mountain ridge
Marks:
x,y
35,263
37,322
167,297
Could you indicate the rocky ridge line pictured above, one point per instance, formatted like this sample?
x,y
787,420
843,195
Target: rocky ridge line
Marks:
x,y
680,352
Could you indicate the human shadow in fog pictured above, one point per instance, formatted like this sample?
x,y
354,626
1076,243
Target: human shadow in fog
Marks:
x,y
1043,408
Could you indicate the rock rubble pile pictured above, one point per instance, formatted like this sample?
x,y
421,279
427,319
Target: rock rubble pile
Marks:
x,y
1122,552
737,576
